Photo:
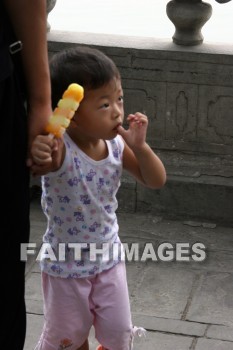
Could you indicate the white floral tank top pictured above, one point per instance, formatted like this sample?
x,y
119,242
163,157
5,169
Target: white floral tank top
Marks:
x,y
80,203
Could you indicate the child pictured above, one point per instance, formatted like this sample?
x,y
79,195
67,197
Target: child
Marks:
x,y
79,200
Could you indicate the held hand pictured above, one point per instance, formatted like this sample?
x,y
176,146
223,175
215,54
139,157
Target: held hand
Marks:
x,y
135,136
41,150
45,154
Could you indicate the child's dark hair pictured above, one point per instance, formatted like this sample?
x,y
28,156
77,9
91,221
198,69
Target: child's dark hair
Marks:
x,y
83,65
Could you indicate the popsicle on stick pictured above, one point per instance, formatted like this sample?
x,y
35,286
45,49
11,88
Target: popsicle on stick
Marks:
x,y
65,110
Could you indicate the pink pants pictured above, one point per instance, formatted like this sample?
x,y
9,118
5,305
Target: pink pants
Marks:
x,y
72,306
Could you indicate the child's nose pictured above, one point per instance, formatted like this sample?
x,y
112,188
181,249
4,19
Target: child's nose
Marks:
x,y
116,111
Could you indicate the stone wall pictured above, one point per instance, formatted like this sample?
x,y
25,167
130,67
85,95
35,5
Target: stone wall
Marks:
x,y
187,93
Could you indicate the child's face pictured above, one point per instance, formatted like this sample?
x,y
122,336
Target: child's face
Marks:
x,y
100,112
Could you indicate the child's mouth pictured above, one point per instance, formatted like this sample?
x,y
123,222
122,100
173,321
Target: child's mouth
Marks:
x,y
116,127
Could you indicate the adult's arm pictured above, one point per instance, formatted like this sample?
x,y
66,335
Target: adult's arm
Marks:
x,y
29,20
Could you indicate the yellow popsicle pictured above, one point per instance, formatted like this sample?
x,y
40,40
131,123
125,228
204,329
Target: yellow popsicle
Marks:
x,y
66,108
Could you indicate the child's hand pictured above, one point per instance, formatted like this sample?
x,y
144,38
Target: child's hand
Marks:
x,y
46,155
42,148
135,136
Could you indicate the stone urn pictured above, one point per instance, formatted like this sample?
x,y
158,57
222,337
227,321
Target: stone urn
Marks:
x,y
188,17
50,5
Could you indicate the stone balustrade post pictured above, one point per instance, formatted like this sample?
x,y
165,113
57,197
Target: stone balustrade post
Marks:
x,y
188,17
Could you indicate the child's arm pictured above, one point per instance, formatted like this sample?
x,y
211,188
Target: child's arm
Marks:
x,y
48,154
138,158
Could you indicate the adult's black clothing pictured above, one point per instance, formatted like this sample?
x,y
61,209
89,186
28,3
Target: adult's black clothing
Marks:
x,y
14,181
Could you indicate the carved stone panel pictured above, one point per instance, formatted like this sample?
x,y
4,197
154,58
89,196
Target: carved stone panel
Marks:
x,y
148,98
181,113
215,116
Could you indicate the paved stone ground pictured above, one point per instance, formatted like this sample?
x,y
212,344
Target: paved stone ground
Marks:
x,y
185,305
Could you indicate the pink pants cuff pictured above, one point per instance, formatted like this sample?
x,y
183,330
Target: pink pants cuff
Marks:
x,y
73,306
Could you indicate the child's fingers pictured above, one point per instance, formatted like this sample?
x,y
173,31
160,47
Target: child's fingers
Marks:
x,y
55,145
45,139
121,131
137,118
41,148
41,155
45,160
42,143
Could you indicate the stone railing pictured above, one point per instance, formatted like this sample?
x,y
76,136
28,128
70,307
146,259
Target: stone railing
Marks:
x,y
187,93
188,17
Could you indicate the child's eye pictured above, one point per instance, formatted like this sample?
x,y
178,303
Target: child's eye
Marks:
x,y
121,99
105,105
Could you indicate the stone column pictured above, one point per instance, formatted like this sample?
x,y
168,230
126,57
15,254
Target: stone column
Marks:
x,y
50,6
188,17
